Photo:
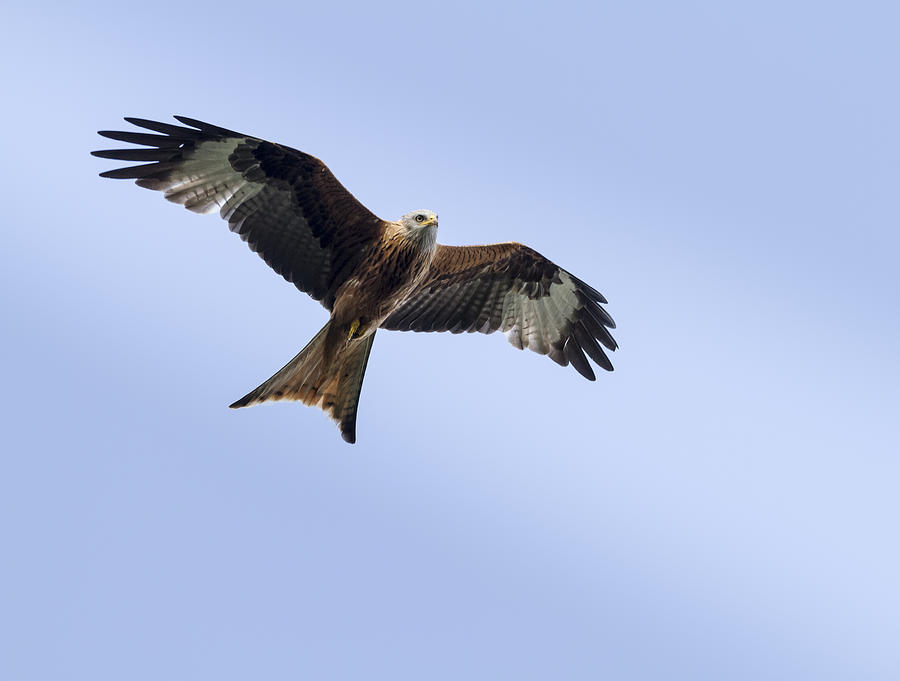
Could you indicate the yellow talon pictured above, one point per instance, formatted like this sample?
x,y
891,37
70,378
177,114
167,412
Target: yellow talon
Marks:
x,y
353,327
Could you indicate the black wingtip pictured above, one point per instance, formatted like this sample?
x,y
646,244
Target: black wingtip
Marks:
x,y
208,128
129,173
576,357
165,141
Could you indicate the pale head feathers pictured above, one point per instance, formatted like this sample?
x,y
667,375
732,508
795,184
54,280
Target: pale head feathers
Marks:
x,y
421,226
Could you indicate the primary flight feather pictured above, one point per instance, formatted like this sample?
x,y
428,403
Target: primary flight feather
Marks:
x,y
368,272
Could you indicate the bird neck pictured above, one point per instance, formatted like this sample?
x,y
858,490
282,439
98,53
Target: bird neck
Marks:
x,y
423,238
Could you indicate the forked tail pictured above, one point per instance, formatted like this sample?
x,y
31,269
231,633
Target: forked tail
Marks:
x,y
311,378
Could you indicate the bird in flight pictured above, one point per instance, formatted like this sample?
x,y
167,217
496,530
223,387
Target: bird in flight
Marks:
x,y
369,273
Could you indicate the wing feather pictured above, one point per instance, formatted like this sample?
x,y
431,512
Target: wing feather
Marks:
x,y
576,356
284,203
511,288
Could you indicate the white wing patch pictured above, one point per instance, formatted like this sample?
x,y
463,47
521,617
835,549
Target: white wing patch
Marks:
x,y
537,324
206,182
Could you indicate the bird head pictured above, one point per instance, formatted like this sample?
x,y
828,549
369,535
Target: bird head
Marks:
x,y
419,219
420,226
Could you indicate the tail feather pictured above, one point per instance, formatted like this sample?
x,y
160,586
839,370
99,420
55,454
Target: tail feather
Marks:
x,y
330,381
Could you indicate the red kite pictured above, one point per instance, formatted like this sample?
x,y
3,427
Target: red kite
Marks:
x,y
369,273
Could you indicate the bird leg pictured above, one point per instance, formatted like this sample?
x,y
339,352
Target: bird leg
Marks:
x,y
356,330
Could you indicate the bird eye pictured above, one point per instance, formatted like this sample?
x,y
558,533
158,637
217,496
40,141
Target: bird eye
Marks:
x,y
420,218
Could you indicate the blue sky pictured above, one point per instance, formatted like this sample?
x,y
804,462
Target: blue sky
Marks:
x,y
723,506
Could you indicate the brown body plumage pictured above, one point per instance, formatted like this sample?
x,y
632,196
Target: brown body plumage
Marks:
x,y
328,372
391,269
369,273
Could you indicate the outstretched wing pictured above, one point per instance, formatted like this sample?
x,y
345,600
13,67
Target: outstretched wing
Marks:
x,y
513,288
284,203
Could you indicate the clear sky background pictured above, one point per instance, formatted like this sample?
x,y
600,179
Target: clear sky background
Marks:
x,y
723,506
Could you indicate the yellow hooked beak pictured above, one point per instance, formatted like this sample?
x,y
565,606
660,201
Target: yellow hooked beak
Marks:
x,y
431,220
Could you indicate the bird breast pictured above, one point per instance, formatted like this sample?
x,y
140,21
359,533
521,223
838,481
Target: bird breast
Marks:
x,y
384,279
